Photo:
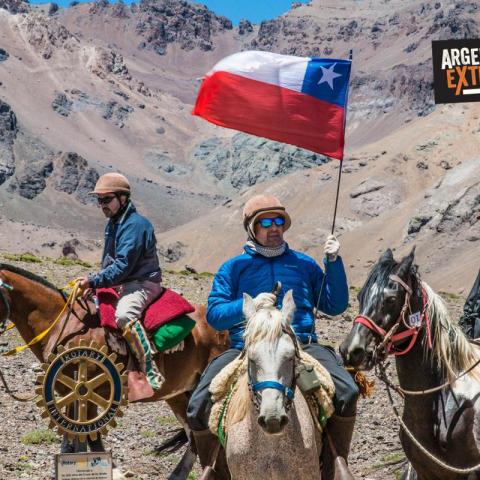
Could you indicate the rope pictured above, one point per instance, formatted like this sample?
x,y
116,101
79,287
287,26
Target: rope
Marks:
x,y
403,392
15,397
433,458
68,304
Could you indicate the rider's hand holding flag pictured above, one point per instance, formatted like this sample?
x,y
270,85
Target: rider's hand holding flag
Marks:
x,y
331,248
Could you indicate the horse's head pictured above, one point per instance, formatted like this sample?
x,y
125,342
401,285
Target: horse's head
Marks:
x,y
390,290
271,349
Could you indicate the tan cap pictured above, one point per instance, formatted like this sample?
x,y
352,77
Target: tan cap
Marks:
x,y
111,183
260,204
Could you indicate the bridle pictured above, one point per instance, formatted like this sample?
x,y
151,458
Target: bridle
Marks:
x,y
389,339
288,391
3,322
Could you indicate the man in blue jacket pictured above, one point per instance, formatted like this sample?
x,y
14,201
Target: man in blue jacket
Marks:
x,y
130,264
266,259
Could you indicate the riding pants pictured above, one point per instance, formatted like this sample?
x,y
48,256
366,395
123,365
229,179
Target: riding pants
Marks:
x,y
135,297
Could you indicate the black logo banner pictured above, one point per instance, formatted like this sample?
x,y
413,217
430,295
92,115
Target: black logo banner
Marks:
x,y
456,70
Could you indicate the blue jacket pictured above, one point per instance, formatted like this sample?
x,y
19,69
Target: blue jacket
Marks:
x,y
253,273
129,253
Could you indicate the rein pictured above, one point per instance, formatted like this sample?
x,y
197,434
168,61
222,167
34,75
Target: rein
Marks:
x,y
13,395
391,338
3,324
69,302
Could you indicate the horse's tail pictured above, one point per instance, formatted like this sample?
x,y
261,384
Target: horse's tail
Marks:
x,y
173,443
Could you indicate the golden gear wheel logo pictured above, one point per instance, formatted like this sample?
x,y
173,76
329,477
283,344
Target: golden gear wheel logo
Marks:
x,y
82,390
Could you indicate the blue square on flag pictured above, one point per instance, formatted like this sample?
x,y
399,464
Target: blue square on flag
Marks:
x,y
327,79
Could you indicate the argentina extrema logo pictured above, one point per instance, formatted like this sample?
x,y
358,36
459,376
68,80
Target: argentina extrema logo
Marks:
x,y
456,70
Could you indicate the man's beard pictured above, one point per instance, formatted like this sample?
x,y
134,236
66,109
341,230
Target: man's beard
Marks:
x,y
274,240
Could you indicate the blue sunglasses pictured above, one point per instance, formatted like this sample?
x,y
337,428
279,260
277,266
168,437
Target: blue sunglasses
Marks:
x,y
268,222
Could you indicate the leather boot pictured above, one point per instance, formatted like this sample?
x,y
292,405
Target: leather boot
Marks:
x,y
336,448
139,344
206,446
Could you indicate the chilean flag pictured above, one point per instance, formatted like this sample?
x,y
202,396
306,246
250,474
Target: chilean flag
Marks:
x,y
296,100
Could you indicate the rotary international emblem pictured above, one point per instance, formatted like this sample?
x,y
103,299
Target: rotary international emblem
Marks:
x,y
82,390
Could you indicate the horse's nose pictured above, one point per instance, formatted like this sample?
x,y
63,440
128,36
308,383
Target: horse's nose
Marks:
x,y
273,424
355,357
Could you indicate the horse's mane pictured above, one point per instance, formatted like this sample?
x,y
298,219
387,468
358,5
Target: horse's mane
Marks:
x,y
451,347
379,275
30,276
239,404
266,325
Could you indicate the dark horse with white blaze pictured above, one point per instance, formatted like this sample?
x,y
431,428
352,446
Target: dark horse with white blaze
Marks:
x,y
32,303
437,368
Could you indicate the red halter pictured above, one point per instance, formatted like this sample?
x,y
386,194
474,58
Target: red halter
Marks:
x,y
390,338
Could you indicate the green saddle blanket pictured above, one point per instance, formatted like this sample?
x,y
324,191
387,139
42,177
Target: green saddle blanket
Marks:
x,y
172,333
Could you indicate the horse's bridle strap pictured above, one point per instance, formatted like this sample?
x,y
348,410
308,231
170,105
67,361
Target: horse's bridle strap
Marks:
x,y
5,285
398,337
370,324
397,279
287,391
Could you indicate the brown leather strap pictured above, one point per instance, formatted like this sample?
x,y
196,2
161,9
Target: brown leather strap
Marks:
x,y
397,279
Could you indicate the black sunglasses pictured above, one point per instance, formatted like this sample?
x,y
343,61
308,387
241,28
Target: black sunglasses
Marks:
x,y
105,200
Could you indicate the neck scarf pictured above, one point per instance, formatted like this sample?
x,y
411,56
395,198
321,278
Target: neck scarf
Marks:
x,y
267,251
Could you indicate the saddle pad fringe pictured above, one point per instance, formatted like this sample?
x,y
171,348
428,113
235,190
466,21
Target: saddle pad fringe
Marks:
x,y
177,348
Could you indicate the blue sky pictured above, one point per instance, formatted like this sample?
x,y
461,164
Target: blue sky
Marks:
x,y
253,10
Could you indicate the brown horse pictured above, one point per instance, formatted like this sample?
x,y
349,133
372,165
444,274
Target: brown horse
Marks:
x,y
33,303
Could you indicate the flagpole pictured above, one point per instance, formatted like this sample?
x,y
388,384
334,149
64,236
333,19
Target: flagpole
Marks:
x,y
336,205
350,56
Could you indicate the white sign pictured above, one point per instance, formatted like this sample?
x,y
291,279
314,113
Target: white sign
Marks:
x,y
415,320
83,466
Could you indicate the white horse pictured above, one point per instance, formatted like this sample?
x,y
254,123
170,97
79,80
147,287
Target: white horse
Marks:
x,y
270,430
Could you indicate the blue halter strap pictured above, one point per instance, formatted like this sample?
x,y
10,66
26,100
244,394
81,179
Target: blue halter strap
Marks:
x,y
287,391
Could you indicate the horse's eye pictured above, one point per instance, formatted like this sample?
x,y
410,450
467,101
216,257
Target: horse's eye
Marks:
x,y
390,300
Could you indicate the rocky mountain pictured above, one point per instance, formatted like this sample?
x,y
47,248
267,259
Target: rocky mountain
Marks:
x,y
100,86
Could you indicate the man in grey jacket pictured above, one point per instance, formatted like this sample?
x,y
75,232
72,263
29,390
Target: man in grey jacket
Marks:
x,y
130,264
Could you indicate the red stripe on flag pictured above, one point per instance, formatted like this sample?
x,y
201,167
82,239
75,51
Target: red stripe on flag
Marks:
x,y
273,112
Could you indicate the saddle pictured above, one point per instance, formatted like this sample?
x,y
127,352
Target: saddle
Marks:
x,y
168,306
165,321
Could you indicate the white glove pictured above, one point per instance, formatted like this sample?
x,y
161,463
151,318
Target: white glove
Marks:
x,y
331,248
264,300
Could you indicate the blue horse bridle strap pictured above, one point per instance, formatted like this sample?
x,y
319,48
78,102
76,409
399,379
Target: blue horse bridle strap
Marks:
x,y
287,391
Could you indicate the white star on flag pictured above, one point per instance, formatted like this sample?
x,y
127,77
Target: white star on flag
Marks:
x,y
328,75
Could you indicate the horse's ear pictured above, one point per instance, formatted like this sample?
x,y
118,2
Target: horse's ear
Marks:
x,y
288,308
248,306
386,255
406,264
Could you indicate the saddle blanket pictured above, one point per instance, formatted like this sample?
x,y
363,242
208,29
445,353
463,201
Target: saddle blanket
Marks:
x,y
165,308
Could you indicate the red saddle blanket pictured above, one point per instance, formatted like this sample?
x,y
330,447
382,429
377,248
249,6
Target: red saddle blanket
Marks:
x,y
165,308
